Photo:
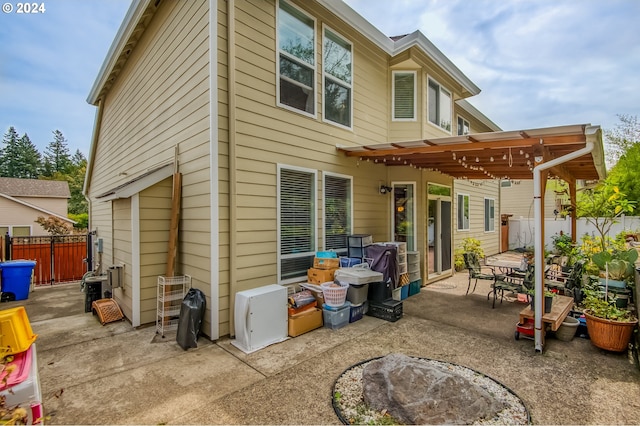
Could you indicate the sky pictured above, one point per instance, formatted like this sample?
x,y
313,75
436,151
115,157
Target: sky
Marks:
x,y
538,63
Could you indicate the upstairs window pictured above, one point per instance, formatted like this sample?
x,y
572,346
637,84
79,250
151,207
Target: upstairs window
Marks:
x,y
296,59
439,106
404,95
463,126
338,74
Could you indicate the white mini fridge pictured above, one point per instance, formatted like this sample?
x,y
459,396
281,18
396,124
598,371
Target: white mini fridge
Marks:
x,y
260,317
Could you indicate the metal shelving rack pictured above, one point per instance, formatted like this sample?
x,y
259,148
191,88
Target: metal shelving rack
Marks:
x,y
171,292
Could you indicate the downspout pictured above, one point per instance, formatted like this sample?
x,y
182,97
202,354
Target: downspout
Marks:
x,y
233,178
539,237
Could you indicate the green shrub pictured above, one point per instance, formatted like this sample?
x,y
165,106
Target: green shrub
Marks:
x,y
469,244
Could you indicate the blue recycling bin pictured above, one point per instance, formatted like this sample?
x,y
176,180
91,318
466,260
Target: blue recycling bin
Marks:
x,y
16,277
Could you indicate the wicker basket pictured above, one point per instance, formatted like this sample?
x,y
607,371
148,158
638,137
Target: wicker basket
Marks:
x,y
609,335
335,294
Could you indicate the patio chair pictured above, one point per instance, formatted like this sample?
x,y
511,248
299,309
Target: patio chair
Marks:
x,y
512,284
565,282
476,271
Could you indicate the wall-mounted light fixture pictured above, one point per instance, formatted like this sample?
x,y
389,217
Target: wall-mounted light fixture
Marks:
x,y
385,189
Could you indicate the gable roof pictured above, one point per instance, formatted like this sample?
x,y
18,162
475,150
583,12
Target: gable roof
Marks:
x,y
141,11
34,188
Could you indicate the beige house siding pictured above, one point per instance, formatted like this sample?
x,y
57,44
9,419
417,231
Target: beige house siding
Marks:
x,y
160,101
517,200
122,252
15,214
155,218
54,205
478,191
223,172
267,135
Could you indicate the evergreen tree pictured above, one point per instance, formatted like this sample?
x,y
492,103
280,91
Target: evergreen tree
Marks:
x,y
56,156
78,159
8,152
19,158
31,159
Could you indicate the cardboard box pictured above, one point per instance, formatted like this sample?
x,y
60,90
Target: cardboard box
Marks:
x,y
326,263
319,276
305,321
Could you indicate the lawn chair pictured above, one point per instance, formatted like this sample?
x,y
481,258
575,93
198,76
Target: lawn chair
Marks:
x,y
512,284
476,271
565,282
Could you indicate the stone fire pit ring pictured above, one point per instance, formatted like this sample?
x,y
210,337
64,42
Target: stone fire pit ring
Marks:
x,y
346,394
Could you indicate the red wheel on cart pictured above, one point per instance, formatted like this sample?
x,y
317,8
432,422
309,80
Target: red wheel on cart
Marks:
x,y
517,336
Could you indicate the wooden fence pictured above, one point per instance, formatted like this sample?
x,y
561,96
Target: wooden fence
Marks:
x,y
59,258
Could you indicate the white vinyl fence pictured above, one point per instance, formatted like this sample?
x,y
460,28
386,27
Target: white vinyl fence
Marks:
x,y
522,230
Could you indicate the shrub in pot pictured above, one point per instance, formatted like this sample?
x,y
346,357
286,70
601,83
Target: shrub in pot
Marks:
x,y
609,326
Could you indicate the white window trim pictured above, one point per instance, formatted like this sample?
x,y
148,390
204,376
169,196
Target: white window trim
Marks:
x,y
414,213
11,232
457,210
465,121
314,66
440,88
314,219
484,222
350,178
415,95
338,81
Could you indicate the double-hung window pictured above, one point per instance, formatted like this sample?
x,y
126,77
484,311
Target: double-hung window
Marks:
x,y
463,212
337,211
338,74
404,95
296,59
297,240
439,105
489,215
463,126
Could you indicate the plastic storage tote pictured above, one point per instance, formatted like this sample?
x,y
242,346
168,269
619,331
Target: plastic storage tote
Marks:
x,y
357,275
27,393
16,277
335,319
16,334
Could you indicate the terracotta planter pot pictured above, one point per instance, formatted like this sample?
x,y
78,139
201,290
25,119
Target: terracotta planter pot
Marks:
x,y
609,335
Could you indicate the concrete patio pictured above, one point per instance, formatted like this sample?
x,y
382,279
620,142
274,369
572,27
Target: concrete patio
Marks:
x,y
114,374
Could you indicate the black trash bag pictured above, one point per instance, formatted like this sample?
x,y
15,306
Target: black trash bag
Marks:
x,y
190,320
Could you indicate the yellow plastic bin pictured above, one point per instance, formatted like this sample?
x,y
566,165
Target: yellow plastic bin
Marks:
x,y
16,334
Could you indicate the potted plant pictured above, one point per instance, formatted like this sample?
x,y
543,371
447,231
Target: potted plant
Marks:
x,y
548,299
610,327
616,271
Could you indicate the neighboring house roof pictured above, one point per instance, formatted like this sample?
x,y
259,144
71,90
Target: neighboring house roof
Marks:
x,y
141,11
34,188
40,209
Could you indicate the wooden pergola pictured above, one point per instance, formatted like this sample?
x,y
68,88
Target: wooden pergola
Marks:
x,y
571,153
